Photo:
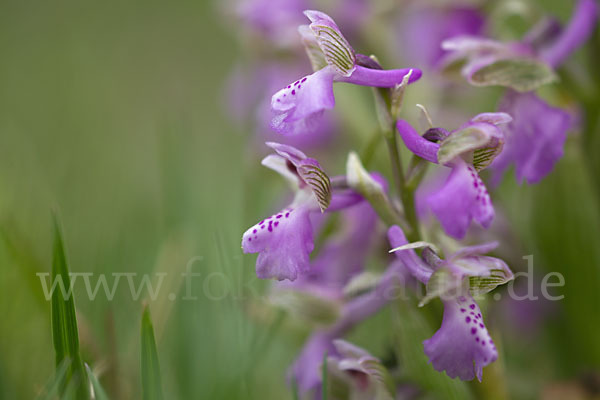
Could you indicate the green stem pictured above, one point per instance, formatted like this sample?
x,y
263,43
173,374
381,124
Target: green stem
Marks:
x,y
405,192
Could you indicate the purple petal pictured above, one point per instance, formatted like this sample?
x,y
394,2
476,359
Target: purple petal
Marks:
x,y
494,118
344,255
411,261
284,242
475,250
423,29
379,77
534,139
580,27
306,370
416,143
462,199
290,153
462,346
297,107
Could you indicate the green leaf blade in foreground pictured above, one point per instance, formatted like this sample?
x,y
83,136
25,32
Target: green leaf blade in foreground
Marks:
x,y
99,393
65,336
520,74
151,381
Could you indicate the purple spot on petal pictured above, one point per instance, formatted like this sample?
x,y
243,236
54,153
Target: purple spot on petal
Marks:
x,y
287,214
473,331
472,306
276,223
249,239
293,92
477,339
289,86
468,319
483,342
254,231
462,310
303,80
481,326
279,216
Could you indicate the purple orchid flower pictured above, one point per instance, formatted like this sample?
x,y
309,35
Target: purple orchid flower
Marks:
x,y
462,346
248,99
285,240
306,370
275,21
536,137
422,29
298,107
365,375
463,197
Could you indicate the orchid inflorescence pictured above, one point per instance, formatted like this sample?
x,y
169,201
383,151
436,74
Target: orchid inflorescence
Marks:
x,y
425,214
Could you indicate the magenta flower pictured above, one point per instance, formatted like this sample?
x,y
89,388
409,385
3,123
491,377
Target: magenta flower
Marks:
x,y
423,28
536,136
306,370
273,20
343,256
298,107
284,241
462,346
463,197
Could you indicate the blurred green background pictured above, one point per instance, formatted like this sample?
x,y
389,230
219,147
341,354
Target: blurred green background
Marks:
x,y
111,113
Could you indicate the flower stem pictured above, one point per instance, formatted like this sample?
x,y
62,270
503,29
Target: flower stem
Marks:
x,y
406,192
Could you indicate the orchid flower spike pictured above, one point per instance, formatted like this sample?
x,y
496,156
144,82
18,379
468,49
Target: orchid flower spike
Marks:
x,y
462,346
467,150
285,240
297,107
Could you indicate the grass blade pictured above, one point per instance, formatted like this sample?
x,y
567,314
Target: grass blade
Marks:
x,y
65,335
151,382
324,377
99,393
55,382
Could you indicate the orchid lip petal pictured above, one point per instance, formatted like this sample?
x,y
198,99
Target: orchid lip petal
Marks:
x,y
462,346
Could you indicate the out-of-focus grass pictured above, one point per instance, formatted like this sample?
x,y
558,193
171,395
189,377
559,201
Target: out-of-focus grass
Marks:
x,y
111,113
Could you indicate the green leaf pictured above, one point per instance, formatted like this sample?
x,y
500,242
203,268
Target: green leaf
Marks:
x,y
324,390
521,74
461,142
151,380
64,321
99,393
54,384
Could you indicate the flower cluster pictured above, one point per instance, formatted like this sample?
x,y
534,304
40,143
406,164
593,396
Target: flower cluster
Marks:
x,y
325,246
